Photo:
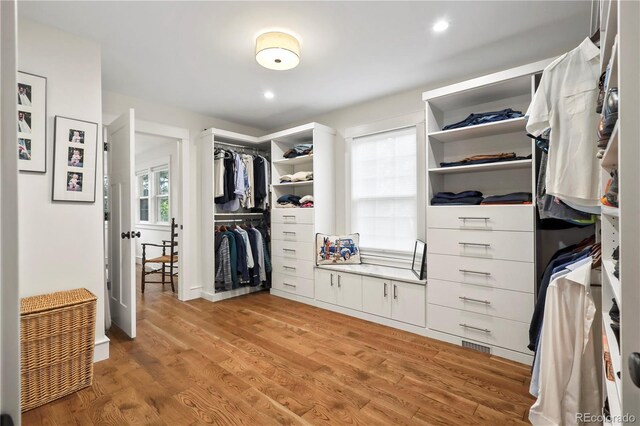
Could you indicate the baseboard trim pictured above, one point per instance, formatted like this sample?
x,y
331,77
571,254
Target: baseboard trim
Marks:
x,y
101,349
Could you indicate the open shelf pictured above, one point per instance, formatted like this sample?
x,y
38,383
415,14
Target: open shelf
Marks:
x,y
285,184
615,408
481,130
609,267
614,350
505,165
610,157
610,211
303,159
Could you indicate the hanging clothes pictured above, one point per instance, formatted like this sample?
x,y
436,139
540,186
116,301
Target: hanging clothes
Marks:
x,y
566,102
229,179
218,173
239,185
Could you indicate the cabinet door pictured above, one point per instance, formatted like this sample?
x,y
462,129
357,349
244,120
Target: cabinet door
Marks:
x,y
350,291
326,288
376,296
408,303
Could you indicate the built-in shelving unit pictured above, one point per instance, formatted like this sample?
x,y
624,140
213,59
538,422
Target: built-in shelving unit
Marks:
x,y
479,131
303,159
290,184
505,165
620,226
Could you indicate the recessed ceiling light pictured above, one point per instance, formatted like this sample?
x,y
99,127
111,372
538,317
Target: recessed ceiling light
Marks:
x,y
269,94
277,51
440,26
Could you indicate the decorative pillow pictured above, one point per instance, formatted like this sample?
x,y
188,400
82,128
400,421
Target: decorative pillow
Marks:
x,y
338,249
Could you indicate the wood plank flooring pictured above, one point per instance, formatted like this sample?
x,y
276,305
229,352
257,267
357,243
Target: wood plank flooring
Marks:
x,y
263,360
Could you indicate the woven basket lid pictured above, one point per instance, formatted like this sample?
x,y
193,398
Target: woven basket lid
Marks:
x,y
57,300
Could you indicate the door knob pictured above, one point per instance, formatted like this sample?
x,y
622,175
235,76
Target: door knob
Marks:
x,y
125,235
135,234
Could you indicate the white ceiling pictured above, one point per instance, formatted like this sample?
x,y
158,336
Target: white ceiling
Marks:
x,y
199,55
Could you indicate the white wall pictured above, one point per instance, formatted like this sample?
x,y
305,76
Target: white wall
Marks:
x,y
61,244
114,104
151,155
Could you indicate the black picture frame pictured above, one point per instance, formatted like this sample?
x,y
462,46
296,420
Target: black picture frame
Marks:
x,y
419,262
37,109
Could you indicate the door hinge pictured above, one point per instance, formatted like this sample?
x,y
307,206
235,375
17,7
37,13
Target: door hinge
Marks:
x,y
106,216
106,147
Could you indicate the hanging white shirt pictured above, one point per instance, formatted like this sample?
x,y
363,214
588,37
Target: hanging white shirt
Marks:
x,y
569,377
566,102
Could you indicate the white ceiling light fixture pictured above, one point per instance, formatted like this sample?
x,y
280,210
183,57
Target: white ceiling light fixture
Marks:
x,y
277,51
440,26
269,94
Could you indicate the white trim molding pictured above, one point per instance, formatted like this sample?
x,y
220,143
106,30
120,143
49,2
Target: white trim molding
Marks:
x,y
101,349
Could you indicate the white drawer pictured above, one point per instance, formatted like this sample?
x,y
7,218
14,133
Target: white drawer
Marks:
x,y
293,250
302,233
292,216
487,244
498,218
294,285
518,276
293,267
483,328
512,305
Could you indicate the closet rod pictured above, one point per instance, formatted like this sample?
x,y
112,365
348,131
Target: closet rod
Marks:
x,y
238,214
234,220
255,148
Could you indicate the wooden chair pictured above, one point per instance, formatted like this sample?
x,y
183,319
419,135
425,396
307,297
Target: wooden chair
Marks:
x,y
168,260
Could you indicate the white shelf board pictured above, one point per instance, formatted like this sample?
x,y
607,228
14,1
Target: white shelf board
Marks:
x,y
505,165
481,130
303,159
610,211
614,350
610,157
609,267
305,183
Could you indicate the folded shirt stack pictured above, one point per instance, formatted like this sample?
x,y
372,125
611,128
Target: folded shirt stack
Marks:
x,y
289,201
452,199
485,159
512,198
297,177
306,202
298,150
485,117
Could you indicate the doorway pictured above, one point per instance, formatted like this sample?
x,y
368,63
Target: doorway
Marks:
x,y
146,186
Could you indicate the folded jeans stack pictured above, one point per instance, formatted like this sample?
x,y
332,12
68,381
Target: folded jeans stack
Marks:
x,y
485,159
289,201
298,150
511,198
452,199
485,117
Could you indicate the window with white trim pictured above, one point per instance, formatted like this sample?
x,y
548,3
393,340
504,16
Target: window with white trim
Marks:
x,y
384,186
154,197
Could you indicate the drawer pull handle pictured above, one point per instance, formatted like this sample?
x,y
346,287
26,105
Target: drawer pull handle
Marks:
x,y
289,285
475,244
289,250
485,330
395,291
288,215
289,267
331,280
289,232
385,289
468,299
467,271
339,281
473,218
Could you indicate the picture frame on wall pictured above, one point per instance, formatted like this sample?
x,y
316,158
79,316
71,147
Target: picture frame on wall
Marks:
x,y
32,122
74,160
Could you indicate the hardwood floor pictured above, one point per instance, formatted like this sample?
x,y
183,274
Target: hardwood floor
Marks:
x,y
262,360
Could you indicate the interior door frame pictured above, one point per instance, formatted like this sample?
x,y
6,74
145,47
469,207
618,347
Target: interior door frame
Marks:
x,y
186,266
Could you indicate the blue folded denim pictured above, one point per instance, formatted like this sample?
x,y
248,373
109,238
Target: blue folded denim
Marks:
x,y
473,201
485,117
486,161
289,198
453,196
512,198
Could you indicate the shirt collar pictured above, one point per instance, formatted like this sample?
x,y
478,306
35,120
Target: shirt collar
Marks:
x,y
589,50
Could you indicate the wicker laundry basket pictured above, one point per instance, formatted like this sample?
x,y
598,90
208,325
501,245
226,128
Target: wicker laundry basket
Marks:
x,y
57,333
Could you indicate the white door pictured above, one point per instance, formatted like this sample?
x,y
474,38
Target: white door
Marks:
x,y
325,284
409,303
122,264
376,296
350,291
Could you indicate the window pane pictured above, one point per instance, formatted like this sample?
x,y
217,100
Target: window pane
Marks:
x,y
384,190
163,182
163,209
144,209
144,185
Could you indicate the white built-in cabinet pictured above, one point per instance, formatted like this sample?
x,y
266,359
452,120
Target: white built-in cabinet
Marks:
x,y
386,298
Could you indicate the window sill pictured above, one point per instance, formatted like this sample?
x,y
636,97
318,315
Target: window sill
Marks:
x,y
154,227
